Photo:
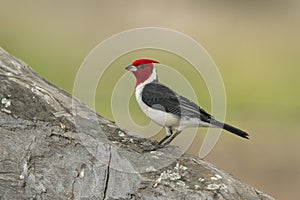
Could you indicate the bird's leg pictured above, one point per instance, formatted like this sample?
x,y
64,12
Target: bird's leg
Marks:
x,y
172,137
168,135
160,144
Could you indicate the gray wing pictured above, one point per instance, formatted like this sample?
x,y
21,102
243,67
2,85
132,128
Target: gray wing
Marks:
x,y
160,97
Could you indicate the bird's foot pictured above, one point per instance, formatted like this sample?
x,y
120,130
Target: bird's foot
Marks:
x,y
167,140
162,143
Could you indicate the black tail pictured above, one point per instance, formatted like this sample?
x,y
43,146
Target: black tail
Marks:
x,y
230,128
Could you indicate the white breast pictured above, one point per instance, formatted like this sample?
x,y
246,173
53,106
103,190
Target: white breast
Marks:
x,y
163,118
160,117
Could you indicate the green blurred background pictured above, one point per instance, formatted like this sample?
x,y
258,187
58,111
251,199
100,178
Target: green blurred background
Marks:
x,y
255,44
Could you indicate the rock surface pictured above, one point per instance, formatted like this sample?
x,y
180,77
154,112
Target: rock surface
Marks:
x,y
55,147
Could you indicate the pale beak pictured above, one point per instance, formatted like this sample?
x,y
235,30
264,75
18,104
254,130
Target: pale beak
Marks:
x,y
131,68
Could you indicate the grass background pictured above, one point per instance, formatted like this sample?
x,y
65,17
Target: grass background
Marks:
x,y
255,45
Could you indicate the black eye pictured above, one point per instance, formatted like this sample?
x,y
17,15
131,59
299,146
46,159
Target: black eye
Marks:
x,y
142,66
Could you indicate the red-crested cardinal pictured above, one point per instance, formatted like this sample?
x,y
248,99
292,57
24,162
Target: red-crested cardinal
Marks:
x,y
167,108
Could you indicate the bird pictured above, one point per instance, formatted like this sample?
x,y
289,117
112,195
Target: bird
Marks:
x,y
167,108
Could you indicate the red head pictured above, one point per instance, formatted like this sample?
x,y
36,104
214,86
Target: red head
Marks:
x,y
142,69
